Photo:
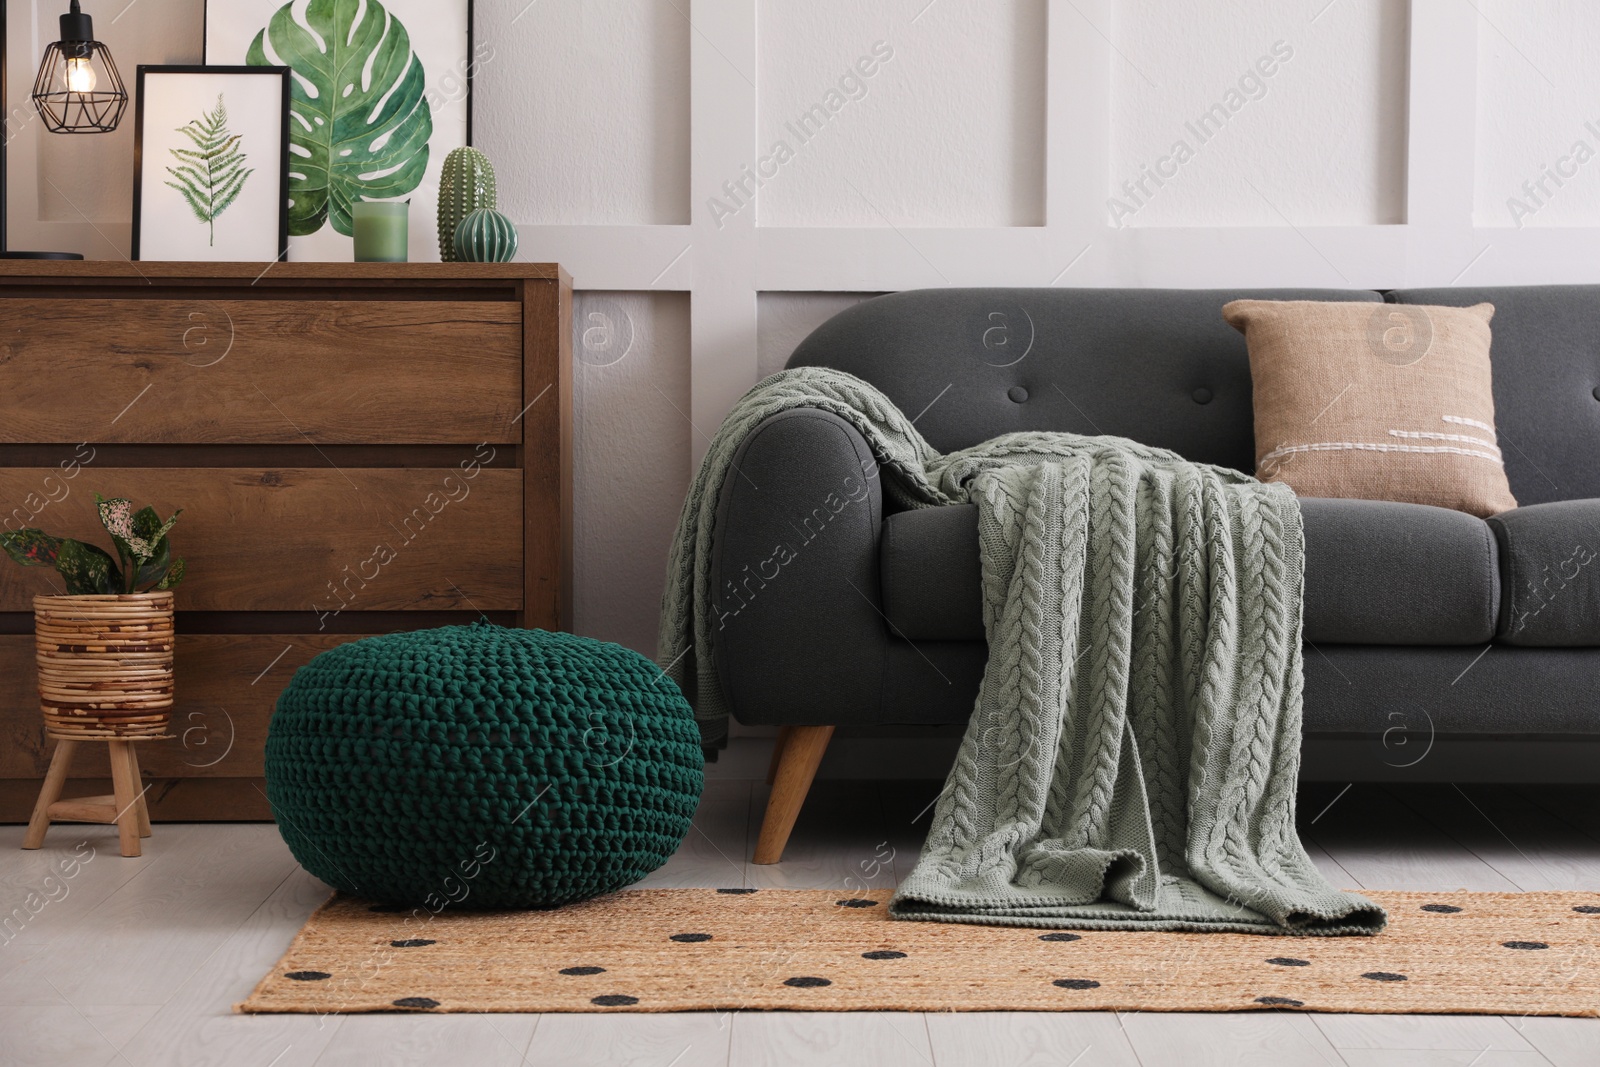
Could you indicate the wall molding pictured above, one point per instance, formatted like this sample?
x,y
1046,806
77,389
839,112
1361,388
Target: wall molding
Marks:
x,y
723,269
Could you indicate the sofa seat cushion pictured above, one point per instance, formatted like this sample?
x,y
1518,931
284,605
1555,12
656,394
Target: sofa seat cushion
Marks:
x,y
1382,573
1550,574
1377,573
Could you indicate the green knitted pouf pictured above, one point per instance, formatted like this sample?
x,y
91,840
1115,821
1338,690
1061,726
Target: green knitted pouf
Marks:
x,y
481,767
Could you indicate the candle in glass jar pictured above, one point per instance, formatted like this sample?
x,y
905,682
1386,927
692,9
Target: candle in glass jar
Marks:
x,y
381,232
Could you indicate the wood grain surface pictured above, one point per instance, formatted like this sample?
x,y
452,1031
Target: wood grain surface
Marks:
x,y
546,458
207,371
317,541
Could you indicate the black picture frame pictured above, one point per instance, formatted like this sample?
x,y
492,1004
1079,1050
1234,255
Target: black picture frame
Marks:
x,y
282,75
472,49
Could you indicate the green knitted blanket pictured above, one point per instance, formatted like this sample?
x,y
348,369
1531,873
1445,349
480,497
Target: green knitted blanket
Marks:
x,y
1132,758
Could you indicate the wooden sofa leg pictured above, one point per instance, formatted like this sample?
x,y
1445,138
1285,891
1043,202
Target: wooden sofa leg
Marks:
x,y
797,766
784,733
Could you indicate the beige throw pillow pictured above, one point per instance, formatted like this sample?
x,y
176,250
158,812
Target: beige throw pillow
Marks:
x,y
1375,401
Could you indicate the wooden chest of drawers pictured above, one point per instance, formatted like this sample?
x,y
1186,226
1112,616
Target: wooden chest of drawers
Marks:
x,y
358,449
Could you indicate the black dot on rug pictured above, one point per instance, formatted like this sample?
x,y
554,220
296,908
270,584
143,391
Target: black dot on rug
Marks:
x,y
412,942
736,892
883,954
1525,945
1281,1002
613,1000
1076,983
1441,909
385,908
1384,976
1587,909
855,902
1060,937
416,1002
1288,961
689,939
308,976
583,971
806,981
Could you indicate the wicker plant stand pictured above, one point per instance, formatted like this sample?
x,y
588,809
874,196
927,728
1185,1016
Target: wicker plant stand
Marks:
x,y
105,675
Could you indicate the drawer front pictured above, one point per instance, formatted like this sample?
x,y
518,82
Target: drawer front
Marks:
x,y
325,542
163,371
227,687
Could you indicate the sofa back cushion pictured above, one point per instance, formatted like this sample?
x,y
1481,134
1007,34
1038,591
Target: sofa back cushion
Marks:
x,y
1546,359
1159,366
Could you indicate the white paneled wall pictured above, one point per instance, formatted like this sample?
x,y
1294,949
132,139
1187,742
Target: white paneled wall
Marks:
x,y
586,108
1538,157
786,319
935,120
1381,151
1260,117
630,355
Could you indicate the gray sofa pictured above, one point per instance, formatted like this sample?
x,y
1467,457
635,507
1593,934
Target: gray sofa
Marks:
x,y
1441,647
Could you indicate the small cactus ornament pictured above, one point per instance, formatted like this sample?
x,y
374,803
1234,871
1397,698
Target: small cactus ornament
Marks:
x,y
466,186
486,236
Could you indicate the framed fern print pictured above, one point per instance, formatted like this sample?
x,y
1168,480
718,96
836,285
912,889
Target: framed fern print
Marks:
x,y
381,92
210,176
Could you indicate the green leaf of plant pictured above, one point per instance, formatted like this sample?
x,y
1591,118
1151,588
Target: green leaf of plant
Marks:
x,y
360,123
150,530
88,570
117,517
148,525
161,531
155,569
173,576
145,522
31,548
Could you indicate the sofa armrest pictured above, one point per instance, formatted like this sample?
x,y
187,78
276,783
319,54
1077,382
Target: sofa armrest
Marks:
x,y
932,574
799,636
1550,574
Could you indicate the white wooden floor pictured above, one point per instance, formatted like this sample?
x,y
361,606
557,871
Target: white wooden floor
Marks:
x,y
137,961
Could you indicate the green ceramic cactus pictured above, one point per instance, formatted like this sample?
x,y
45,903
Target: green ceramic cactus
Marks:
x,y
486,236
466,186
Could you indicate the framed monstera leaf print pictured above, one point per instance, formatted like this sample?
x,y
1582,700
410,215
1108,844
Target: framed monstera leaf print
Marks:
x,y
209,176
380,94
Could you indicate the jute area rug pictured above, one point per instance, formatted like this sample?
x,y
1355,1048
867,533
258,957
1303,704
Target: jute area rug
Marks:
x,y
807,950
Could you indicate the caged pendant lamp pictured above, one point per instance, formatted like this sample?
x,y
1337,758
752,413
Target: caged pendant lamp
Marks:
x,y
78,89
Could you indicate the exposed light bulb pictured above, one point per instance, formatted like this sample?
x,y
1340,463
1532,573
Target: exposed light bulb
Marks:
x,y
81,77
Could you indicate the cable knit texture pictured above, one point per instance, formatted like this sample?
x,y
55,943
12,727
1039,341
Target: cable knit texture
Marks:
x,y
1132,758
482,767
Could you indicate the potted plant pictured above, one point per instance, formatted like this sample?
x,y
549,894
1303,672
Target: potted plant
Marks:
x,y
105,647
